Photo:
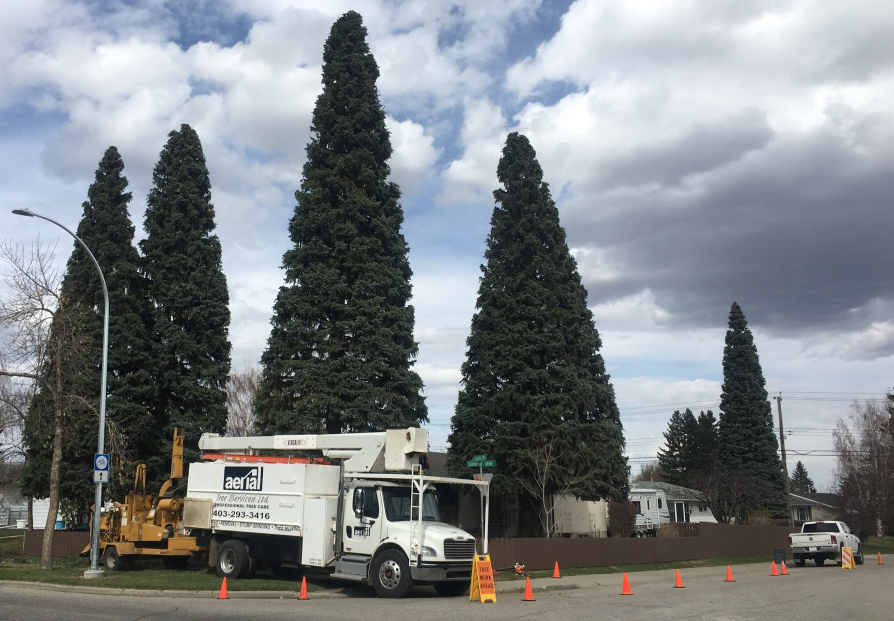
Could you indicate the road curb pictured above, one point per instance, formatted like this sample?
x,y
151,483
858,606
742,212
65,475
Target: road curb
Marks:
x,y
94,590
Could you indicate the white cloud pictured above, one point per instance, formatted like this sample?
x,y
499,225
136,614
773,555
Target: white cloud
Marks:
x,y
472,177
876,341
636,312
414,156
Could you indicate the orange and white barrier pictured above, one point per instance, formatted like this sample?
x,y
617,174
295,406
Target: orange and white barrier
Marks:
x,y
847,558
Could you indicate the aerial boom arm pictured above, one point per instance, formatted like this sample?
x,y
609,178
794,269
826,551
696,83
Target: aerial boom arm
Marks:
x,y
386,451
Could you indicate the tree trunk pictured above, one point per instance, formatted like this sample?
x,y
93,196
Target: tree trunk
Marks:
x,y
46,552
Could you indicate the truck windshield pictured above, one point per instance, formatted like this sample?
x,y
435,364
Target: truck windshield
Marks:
x,y
397,505
826,527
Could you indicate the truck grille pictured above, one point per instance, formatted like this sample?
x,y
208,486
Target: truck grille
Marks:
x,y
459,549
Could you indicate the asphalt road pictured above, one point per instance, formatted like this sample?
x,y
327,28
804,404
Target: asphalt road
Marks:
x,y
808,594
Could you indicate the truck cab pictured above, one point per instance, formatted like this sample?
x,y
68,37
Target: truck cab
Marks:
x,y
385,538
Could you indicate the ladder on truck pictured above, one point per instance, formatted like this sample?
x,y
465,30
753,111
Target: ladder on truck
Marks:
x,y
417,489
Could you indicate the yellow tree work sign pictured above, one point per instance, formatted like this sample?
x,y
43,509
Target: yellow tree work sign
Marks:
x,y
482,580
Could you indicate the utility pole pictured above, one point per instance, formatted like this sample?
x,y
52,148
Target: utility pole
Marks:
x,y
788,494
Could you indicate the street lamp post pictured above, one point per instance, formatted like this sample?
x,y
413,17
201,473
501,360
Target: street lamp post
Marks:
x,y
94,571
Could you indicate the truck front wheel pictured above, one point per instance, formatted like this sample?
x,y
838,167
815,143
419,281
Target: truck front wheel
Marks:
x,y
819,560
391,574
232,559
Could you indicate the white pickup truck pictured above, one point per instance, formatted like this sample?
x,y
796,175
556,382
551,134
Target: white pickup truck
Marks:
x,y
824,540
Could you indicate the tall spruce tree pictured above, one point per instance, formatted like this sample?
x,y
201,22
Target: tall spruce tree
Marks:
x,y
705,443
533,376
801,482
747,447
679,457
183,265
106,228
340,353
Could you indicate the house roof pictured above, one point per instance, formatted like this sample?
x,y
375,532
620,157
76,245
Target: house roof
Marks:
x,y
832,501
437,464
675,492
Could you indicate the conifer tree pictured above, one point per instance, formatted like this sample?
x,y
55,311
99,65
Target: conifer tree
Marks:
x,y
340,353
801,482
680,455
705,443
533,378
747,447
183,264
106,228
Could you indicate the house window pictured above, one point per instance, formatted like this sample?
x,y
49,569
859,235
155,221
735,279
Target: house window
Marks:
x,y
702,508
639,507
803,514
659,503
648,505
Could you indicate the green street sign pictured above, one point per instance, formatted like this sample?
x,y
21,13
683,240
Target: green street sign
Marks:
x,y
479,458
482,464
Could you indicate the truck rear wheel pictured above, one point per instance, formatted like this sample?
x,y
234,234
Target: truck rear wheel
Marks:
x,y
799,562
232,559
858,557
391,574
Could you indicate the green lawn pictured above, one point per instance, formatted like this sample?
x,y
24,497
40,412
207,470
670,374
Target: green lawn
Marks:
x,y
146,574
11,541
615,569
149,574
873,545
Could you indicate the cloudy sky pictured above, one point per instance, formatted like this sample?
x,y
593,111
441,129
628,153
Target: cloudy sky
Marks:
x,y
700,152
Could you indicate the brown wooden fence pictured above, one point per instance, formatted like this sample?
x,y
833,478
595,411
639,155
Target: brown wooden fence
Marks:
x,y
711,541
700,541
66,543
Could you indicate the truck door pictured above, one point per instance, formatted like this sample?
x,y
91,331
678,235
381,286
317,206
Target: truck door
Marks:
x,y
363,521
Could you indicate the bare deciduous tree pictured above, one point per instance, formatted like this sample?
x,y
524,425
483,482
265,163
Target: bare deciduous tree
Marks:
x,y
865,469
242,388
551,476
15,395
36,331
650,472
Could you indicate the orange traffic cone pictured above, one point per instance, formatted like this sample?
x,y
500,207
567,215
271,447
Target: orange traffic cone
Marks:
x,y
783,572
303,593
880,561
529,596
223,590
679,583
775,571
556,573
729,574
625,590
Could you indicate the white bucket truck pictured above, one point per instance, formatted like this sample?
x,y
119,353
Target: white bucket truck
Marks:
x,y
359,505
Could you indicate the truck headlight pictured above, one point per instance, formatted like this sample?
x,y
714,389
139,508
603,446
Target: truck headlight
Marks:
x,y
427,551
